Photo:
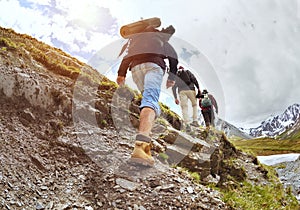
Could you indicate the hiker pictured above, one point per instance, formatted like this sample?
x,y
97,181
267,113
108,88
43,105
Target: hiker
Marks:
x,y
207,104
185,85
145,59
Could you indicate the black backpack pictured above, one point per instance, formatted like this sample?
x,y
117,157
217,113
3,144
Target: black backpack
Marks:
x,y
185,77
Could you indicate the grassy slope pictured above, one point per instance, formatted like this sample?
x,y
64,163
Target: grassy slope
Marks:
x,y
268,146
254,197
293,135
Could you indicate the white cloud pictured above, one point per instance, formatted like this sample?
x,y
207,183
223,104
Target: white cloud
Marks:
x,y
40,2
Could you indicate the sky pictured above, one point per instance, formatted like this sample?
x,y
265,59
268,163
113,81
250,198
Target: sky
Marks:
x,y
246,53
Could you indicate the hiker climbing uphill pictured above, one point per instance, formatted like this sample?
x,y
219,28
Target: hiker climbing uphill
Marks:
x,y
207,104
185,85
147,47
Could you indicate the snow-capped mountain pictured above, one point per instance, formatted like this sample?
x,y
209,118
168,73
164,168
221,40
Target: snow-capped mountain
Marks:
x,y
274,126
293,132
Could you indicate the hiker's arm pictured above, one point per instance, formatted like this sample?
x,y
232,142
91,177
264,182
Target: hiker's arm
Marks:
x,y
172,73
170,83
216,106
121,80
124,67
200,103
123,71
214,102
171,54
174,90
194,80
173,68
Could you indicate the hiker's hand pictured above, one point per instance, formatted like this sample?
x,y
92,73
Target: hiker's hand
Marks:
x,y
198,94
120,80
170,83
176,101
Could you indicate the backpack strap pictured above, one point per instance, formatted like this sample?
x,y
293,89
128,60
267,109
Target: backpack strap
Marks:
x,y
125,46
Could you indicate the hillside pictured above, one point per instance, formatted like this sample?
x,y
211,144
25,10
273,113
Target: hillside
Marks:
x,y
291,133
67,132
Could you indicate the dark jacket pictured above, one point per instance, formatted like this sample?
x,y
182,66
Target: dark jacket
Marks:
x,y
183,83
150,47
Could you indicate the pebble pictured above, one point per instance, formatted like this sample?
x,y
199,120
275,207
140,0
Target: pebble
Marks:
x,y
131,186
44,188
39,206
190,190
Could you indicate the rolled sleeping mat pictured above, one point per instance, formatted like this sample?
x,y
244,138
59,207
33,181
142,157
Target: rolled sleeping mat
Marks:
x,y
139,26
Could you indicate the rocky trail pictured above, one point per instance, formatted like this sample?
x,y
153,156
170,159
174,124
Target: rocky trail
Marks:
x,y
41,170
50,162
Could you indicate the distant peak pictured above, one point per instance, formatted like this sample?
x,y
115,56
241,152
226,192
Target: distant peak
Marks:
x,y
275,125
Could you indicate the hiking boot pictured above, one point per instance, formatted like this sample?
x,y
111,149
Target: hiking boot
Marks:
x,y
142,153
195,123
207,128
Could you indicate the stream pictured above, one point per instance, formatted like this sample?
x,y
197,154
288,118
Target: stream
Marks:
x,y
288,170
276,159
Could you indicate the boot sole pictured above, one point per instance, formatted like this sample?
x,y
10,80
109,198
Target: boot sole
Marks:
x,y
140,161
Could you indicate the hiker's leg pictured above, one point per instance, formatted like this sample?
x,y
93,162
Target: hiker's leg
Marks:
x,y
149,111
147,117
192,97
184,105
212,118
138,76
149,106
206,117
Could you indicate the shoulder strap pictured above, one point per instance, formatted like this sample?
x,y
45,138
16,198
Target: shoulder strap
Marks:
x,y
125,46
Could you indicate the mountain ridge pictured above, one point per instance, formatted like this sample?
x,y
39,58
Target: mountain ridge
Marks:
x,y
273,126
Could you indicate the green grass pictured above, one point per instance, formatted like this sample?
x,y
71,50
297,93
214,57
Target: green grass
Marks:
x,y
164,156
165,109
196,176
7,43
253,197
268,146
270,196
162,121
52,58
292,136
169,115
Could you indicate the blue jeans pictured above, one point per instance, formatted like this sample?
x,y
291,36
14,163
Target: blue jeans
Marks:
x,y
148,78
